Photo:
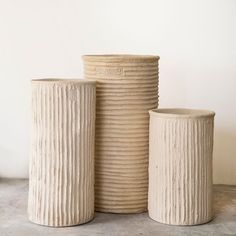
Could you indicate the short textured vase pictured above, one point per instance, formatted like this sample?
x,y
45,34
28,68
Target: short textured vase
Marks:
x,y
61,177
127,88
180,166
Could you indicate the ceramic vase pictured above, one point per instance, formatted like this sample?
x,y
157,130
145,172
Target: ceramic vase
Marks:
x,y
180,166
61,176
127,88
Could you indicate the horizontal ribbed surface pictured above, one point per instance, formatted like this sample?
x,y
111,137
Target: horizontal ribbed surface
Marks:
x,y
61,187
180,169
127,88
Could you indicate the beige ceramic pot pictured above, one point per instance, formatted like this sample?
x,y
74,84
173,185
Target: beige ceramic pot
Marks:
x,y
127,88
61,177
180,166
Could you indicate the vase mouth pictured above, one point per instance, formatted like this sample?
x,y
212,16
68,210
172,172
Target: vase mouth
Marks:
x,y
63,81
181,113
120,57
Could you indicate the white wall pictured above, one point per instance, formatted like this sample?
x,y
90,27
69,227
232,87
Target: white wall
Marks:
x,y
196,41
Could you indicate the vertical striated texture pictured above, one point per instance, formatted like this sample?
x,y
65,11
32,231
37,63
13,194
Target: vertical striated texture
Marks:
x,y
180,166
127,88
61,177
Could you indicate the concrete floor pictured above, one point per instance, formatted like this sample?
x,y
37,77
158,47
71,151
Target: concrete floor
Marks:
x,y
14,222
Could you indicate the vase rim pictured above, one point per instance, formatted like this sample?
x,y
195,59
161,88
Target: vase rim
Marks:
x,y
125,57
66,81
181,113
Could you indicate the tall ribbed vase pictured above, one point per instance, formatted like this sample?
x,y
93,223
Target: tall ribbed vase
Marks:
x,y
127,88
180,166
61,176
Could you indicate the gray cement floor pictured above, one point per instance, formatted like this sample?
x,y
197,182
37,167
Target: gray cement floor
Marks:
x,y
14,222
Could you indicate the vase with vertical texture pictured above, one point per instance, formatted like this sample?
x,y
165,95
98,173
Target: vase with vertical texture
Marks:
x,y
180,166
61,176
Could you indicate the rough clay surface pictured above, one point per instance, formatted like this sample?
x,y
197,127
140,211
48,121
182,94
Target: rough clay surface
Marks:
x,y
61,186
127,88
14,220
180,169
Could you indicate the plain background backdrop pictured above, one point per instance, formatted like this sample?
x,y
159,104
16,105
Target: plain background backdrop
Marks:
x,y
196,41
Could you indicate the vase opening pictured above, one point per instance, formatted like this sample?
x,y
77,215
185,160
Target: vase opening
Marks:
x,y
120,57
182,112
52,80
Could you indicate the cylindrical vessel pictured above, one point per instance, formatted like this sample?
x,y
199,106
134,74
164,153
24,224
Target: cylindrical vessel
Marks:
x,y
180,166
127,88
61,176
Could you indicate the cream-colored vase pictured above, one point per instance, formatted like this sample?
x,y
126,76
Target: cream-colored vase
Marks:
x,y
180,166
127,88
61,177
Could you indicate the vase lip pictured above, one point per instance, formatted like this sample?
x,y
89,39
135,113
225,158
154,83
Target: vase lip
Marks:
x,y
181,113
63,81
119,57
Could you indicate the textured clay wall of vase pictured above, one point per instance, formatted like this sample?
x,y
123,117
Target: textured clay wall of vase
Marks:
x,y
180,166
61,177
127,88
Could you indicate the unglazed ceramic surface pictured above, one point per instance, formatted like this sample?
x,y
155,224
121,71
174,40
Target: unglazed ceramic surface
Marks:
x,y
127,88
61,177
180,166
